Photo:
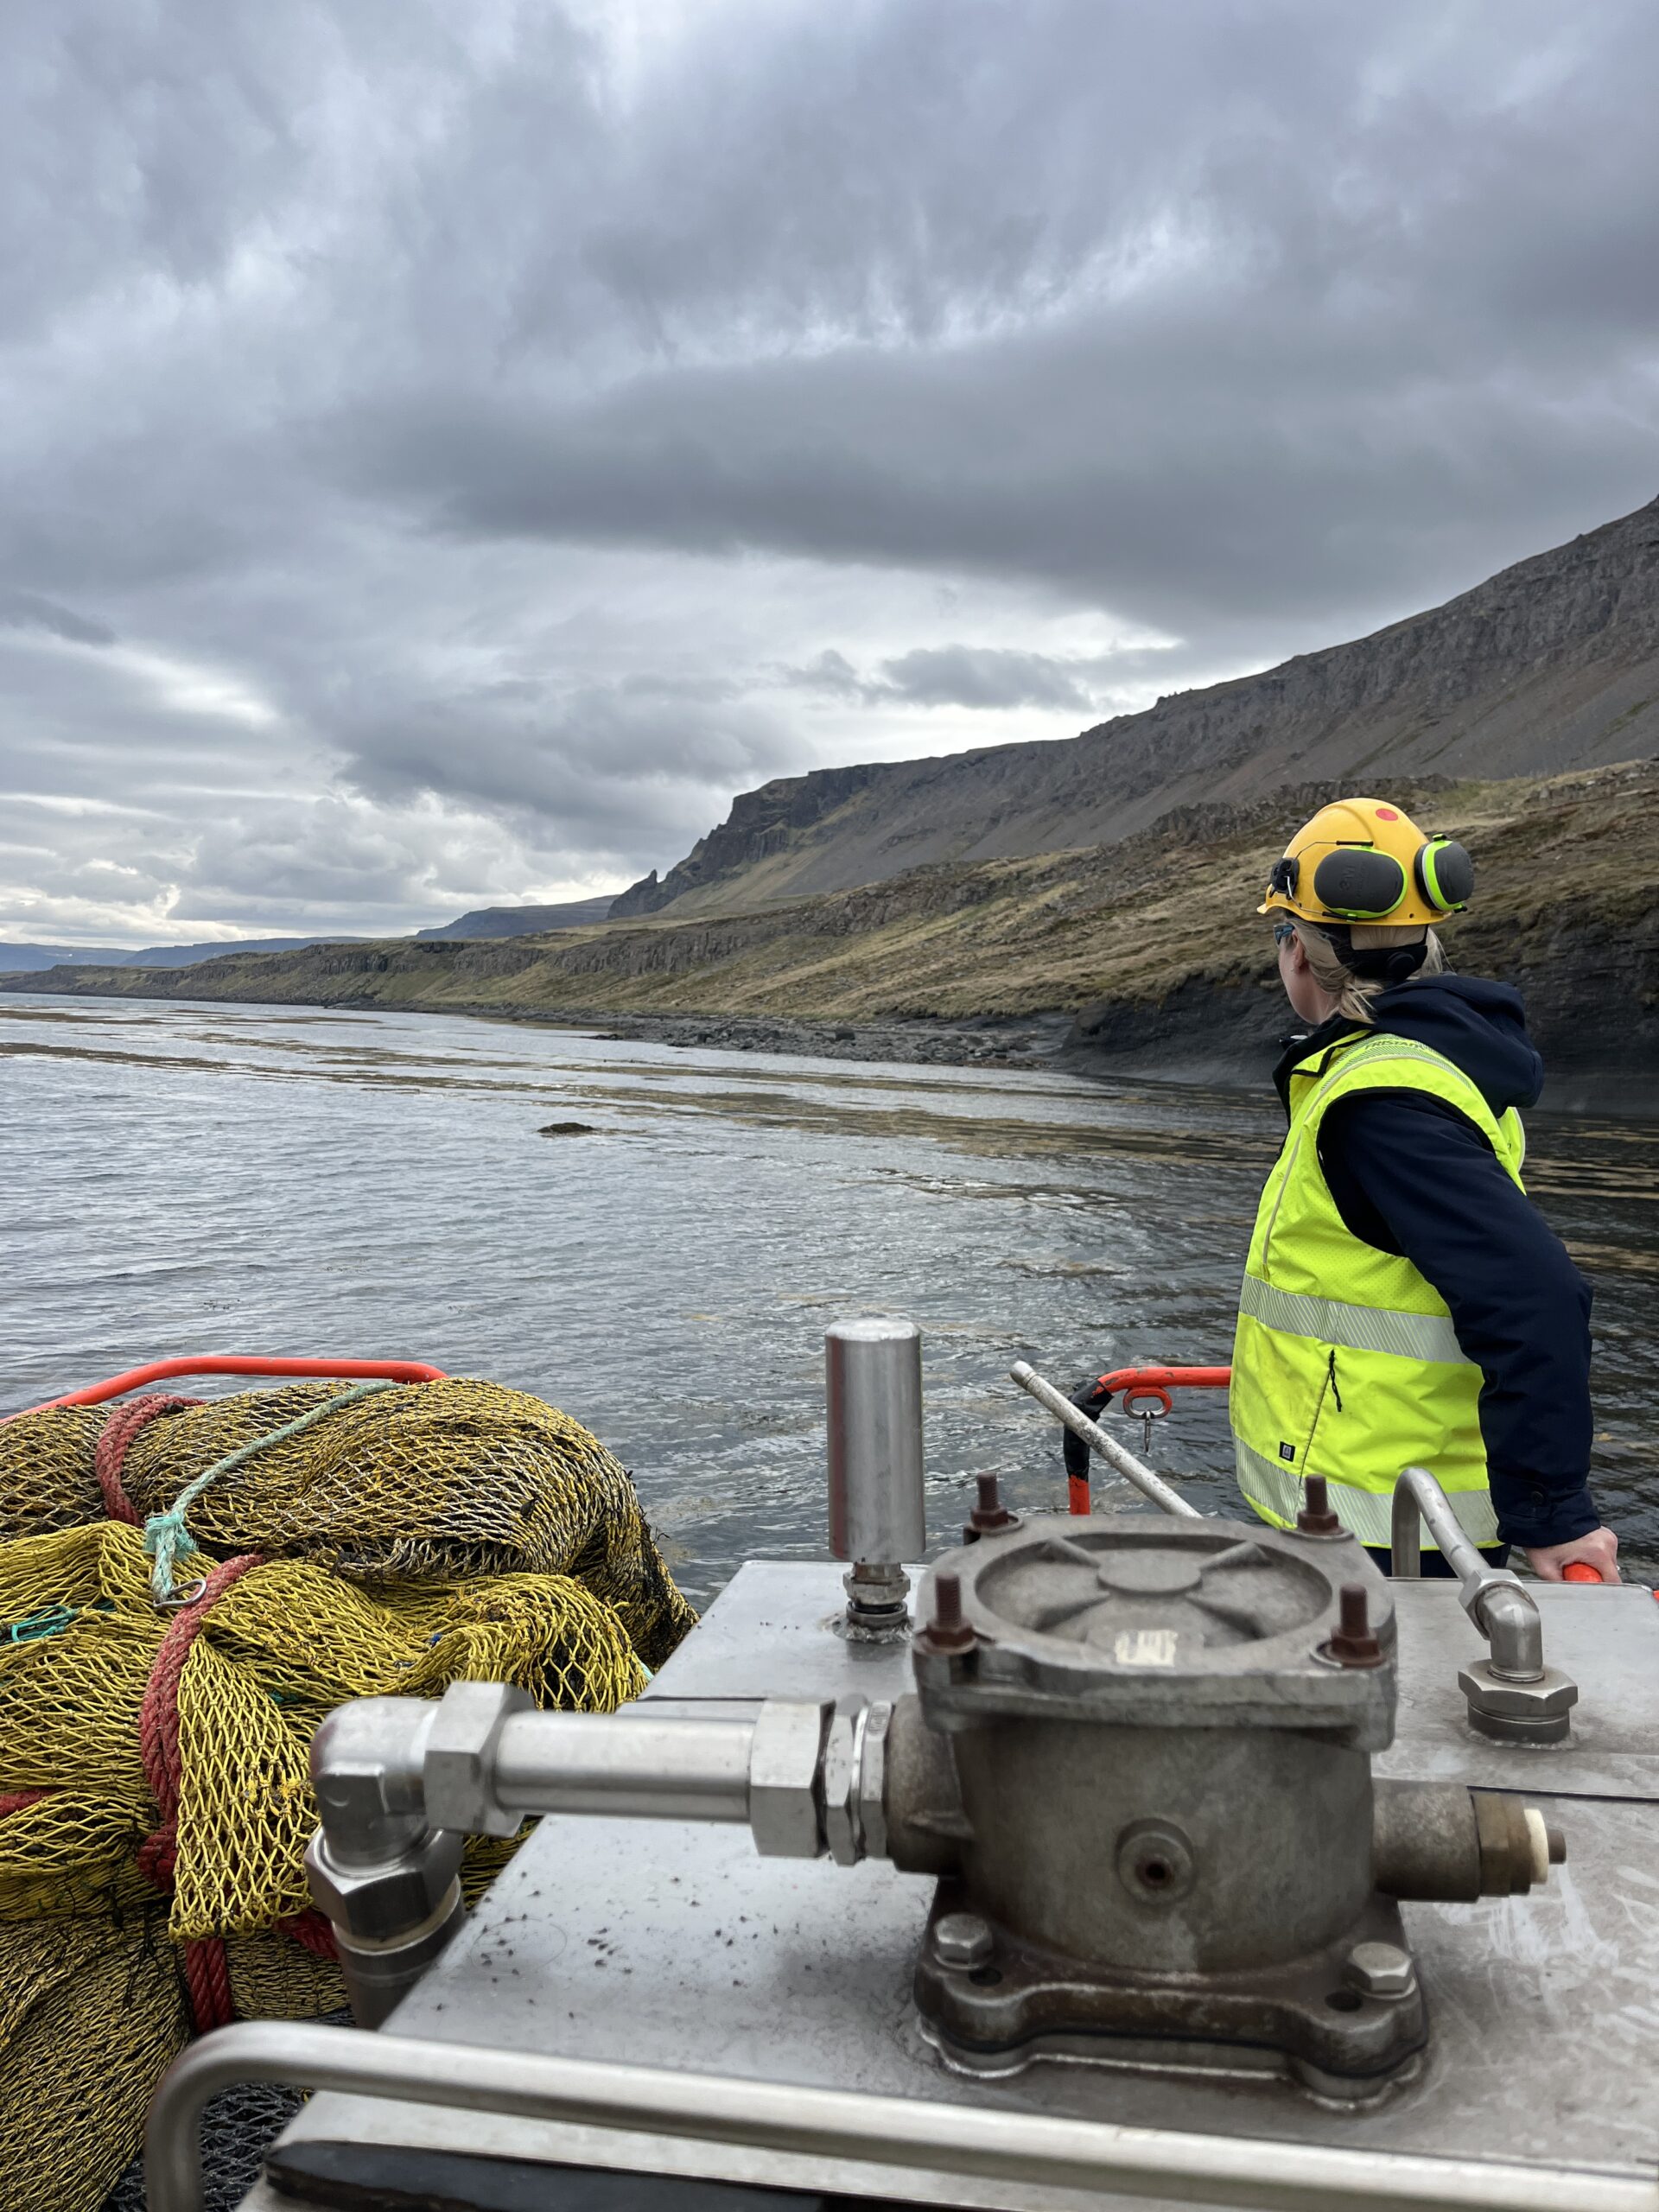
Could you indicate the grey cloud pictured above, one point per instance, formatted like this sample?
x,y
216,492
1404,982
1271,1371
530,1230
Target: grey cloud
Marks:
x,y
26,610
984,676
499,404
954,676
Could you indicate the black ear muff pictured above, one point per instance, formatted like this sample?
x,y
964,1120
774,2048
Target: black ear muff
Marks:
x,y
1446,876
1359,883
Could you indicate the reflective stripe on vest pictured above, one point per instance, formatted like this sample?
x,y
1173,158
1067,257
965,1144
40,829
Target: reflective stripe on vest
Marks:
x,y
1345,1362
1275,1492
1361,1328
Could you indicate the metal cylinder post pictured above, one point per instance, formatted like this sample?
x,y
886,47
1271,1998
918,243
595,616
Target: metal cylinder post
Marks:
x,y
872,1373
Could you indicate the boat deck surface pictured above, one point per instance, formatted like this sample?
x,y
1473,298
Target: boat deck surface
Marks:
x,y
678,1947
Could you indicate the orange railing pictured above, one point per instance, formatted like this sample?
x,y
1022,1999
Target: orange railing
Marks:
x,y
166,1370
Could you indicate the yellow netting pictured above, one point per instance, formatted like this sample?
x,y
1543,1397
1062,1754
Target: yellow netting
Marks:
x,y
449,1531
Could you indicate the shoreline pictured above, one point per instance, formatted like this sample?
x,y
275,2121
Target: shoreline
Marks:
x,y
1237,1054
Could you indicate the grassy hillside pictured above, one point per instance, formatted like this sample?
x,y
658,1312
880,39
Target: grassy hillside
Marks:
x,y
1152,944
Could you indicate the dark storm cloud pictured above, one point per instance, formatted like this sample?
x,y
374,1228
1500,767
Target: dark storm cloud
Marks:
x,y
448,451
24,610
1250,319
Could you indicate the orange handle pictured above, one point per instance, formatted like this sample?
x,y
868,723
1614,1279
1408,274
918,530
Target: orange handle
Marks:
x,y
164,1371
1130,1384
1132,1380
1579,1570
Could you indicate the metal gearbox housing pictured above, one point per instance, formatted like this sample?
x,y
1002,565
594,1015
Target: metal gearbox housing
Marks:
x,y
1161,1734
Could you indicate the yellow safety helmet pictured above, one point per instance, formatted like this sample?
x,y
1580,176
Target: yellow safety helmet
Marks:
x,y
1363,861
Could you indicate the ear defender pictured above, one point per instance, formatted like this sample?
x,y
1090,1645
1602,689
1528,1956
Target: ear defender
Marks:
x,y
1446,876
1356,883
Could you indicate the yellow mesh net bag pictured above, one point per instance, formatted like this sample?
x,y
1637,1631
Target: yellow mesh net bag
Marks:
x,y
444,1532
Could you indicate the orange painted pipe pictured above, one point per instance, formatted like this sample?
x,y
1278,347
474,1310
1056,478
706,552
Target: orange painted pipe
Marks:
x,y
1129,1384
166,1370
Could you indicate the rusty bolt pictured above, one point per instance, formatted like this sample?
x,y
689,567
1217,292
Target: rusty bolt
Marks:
x,y
1315,1518
1354,1644
947,1631
989,1514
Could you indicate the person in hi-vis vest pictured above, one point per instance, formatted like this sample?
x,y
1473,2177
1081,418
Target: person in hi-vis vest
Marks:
x,y
1404,1302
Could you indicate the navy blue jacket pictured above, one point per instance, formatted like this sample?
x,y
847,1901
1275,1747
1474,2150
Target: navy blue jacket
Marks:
x,y
1412,1175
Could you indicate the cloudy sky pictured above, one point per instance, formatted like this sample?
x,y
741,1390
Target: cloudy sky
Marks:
x,y
447,450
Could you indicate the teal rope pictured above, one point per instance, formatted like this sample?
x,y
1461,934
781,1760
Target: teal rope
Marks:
x,y
165,1533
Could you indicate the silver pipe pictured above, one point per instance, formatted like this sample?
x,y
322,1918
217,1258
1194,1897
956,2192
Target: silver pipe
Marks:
x,y
1419,1497
650,1769
1509,1613
1120,1462
995,2144
1500,1606
872,1374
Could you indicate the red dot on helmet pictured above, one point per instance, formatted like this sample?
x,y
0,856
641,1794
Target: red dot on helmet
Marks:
x,y
1387,814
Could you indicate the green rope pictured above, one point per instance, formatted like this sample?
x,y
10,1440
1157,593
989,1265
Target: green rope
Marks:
x,y
165,1533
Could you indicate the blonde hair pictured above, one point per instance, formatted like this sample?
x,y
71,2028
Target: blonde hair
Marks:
x,y
1354,994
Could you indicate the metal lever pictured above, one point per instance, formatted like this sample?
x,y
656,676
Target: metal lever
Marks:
x,y
1511,1695
1120,1462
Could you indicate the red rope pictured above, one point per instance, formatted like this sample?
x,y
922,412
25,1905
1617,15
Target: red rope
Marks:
x,y
14,1801
315,1931
206,1972
123,1425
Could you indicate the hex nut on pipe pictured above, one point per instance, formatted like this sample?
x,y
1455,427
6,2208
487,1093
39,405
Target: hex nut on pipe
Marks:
x,y
871,1784
458,1770
1538,1712
851,1779
789,1738
380,1905
839,1785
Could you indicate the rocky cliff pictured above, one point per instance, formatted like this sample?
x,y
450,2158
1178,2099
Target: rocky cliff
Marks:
x,y
1552,665
1152,945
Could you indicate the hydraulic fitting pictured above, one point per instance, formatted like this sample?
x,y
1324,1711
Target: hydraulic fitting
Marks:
x,y
784,1756
1444,1841
1516,1709
458,1770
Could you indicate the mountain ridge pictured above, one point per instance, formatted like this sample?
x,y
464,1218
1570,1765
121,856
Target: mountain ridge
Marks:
x,y
1150,948
480,922
1550,665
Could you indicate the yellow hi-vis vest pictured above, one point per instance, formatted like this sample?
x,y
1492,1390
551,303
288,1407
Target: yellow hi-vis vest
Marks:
x,y
1346,1363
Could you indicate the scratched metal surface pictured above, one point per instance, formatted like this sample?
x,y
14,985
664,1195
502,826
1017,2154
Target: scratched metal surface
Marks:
x,y
680,1947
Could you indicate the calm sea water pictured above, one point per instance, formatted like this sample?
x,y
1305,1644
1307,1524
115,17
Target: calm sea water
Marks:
x,y
190,1177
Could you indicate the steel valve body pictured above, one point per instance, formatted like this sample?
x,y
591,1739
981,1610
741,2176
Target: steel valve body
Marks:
x,y
1159,1842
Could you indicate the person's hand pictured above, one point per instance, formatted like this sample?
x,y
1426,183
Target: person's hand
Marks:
x,y
1599,1549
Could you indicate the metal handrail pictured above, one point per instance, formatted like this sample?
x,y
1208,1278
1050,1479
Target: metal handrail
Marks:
x,y
1037,2149
1499,1603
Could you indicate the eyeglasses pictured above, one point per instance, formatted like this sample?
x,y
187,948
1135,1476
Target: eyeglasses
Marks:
x,y
1282,931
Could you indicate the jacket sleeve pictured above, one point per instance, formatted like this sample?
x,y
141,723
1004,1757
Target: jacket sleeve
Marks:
x,y
1412,1175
